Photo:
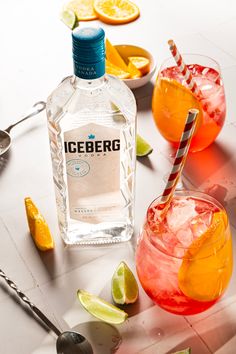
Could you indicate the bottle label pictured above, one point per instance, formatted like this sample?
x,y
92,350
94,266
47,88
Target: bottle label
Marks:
x,y
92,154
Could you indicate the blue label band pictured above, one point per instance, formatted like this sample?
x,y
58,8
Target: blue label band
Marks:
x,y
89,71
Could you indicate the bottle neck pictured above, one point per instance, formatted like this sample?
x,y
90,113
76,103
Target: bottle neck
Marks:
x,y
89,84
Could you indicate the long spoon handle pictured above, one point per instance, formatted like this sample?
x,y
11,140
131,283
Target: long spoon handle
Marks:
x,y
25,298
37,108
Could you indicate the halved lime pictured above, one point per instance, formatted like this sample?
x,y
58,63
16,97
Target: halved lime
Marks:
x,y
124,285
184,351
101,308
142,147
69,18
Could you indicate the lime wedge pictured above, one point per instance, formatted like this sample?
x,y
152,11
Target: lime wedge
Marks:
x,y
142,147
124,285
68,17
185,351
101,308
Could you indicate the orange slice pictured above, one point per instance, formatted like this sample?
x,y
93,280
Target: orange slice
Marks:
x,y
141,63
38,227
116,11
83,9
112,69
134,72
207,265
114,57
170,104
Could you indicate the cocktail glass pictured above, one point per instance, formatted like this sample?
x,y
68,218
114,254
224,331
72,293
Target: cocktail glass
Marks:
x,y
172,99
184,260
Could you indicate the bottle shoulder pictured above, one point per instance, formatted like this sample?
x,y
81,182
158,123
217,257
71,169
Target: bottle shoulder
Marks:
x,y
106,96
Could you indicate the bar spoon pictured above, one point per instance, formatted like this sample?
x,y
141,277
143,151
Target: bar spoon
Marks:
x,y
68,342
5,138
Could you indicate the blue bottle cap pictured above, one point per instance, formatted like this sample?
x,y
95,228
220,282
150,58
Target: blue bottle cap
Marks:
x,y
88,52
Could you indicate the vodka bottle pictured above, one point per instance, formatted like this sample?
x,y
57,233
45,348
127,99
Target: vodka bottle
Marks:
x,y
92,129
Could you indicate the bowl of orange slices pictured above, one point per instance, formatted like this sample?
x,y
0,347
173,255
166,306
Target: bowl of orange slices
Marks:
x,y
132,64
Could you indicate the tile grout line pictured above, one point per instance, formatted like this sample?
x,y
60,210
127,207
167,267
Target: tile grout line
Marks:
x,y
219,47
199,336
21,257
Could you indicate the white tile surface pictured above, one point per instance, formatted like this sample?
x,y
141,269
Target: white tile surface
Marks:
x,y
223,35
35,56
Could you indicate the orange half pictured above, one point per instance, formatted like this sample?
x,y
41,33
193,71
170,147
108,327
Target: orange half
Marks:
x,y
116,11
83,9
207,265
170,104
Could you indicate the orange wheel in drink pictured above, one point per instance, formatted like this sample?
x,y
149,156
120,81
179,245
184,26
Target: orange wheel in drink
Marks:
x,y
172,98
170,104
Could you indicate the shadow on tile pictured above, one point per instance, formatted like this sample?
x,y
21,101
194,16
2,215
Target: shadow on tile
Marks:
x,y
201,166
104,338
25,308
146,162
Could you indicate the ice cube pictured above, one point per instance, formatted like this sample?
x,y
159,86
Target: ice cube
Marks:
x,y
181,211
201,223
185,237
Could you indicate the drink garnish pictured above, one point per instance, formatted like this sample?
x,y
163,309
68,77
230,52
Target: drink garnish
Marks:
x,y
188,76
124,285
38,227
184,351
170,93
68,17
143,148
83,9
141,63
112,69
204,272
116,12
100,308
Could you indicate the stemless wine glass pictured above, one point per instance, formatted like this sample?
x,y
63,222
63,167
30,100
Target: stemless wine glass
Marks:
x,y
172,98
184,261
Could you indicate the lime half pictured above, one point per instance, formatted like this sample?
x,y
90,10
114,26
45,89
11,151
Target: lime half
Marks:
x,y
185,351
101,308
142,147
68,17
124,285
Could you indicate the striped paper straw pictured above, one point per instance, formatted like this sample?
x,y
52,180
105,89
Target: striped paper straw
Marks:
x,y
187,75
179,161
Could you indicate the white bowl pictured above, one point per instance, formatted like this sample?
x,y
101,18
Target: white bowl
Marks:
x,y
127,50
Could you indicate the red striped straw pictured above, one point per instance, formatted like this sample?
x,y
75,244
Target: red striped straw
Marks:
x,y
179,161
188,75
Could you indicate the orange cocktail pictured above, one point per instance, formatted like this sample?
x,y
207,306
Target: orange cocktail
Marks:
x,y
184,262
172,99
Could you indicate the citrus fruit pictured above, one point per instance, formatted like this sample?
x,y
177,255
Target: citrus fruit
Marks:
x,y
134,72
116,11
101,308
68,18
184,351
114,57
38,227
170,104
83,9
124,285
112,69
141,63
142,147
206,267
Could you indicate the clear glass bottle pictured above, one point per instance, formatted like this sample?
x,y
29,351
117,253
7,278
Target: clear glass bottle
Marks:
x,y
92,129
